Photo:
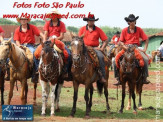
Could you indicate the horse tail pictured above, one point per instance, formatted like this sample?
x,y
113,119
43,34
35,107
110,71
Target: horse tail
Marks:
x,y
100,87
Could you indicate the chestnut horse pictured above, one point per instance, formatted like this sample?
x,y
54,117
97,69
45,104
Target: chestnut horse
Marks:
x,y
84,72
131,73
19,68
50,68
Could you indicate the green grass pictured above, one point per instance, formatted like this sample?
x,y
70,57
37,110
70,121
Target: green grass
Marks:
x,y
98,107
155,67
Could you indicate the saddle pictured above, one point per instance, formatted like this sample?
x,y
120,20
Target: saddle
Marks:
x,y
94,57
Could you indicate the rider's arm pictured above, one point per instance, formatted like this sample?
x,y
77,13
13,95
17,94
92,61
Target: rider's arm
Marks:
x,y
1,35
61,36
45,35
104,45
18,43
146,45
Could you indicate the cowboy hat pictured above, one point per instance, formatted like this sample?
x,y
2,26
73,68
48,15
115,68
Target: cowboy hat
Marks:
x,y
90,17
54,11
25,18
131,17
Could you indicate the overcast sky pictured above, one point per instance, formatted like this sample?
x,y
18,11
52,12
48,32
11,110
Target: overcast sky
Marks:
x,y
110,12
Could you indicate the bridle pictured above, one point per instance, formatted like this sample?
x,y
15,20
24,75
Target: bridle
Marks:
x,y
50,68
79,63
4,61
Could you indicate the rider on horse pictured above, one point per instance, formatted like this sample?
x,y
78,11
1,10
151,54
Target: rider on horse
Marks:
x,y
91,35
131,36
25,35
114,41
54,30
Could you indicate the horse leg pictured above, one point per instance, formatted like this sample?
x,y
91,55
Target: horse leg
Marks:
x,y
129,102
57,98
2,92
140,103
45,94
52,99
91,94
34,93
134,103
23,85
106,97
12,82
86,97
123,97
75,85
26,92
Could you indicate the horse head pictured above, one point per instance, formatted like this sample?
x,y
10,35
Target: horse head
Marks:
x,y
47,51
128,61
78,48
5,48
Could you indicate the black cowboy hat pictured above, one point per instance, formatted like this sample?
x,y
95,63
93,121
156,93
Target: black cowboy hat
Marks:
x,y
90,17
131,17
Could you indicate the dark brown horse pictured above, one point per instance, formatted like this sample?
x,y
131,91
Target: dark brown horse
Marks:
x,y
50,67
84,72
130,73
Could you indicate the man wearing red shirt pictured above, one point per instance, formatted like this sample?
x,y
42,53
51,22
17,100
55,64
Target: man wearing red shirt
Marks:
x,y
1,33
91,35
25,35
132,35
54,30
115,38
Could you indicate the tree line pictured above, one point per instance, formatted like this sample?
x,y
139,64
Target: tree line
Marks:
x,y
110,31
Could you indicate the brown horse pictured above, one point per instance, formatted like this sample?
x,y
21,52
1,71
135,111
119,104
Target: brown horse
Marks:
x,y
84,72
19,68
50,68
131,73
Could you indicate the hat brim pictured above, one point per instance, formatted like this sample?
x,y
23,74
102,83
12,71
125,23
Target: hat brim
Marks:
x,y
89,19
18,19
129,19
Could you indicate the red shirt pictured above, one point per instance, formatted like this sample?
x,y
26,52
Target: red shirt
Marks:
x,y
54,30
26,37
115,39
1,30
133,38
92,38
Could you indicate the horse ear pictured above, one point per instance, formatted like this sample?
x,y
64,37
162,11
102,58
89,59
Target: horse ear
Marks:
x,y
41,42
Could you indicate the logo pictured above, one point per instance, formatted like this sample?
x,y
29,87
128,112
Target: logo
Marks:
x,y
17,112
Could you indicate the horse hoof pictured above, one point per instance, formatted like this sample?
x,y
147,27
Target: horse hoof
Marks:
x,y
57,110
71,116
52,115
86,117
120,111
128,108
135,112
43,115
140,108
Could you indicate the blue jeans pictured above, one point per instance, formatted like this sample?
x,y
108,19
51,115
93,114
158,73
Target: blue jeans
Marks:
x,y
101,61
36,61
68,66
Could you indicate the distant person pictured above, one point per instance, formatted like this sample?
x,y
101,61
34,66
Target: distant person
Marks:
x,y
115,38
161,49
